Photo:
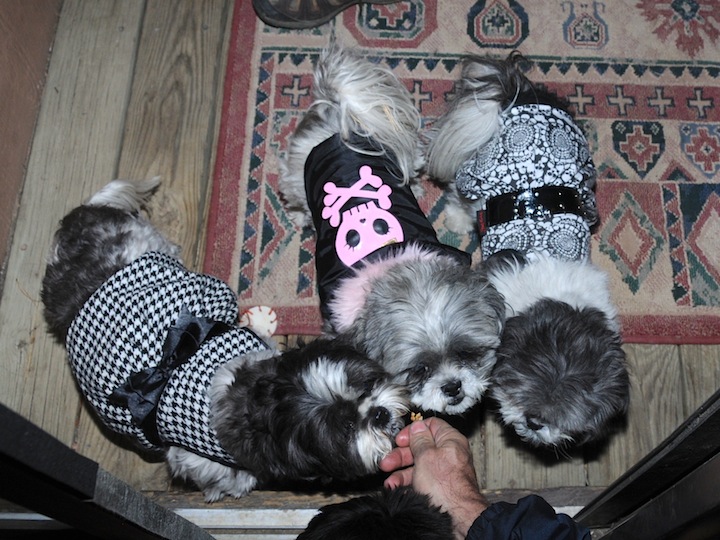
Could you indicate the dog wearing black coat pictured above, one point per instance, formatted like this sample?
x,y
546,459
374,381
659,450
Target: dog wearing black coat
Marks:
x,y
386,282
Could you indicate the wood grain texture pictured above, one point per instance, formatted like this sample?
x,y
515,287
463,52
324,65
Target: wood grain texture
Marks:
x,y
76,147
511,464
700,366
173,115
169,130
27,31
656,409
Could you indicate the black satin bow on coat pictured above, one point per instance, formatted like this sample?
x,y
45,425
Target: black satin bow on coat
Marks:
x,y
142,391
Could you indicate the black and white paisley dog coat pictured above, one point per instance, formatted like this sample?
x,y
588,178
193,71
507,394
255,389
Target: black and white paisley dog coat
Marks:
x,y
536,180
144,349
361,211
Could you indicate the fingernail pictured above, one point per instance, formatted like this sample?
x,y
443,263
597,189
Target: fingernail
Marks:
x,y
417,427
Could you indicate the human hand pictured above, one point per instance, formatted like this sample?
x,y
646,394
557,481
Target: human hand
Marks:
x,y
435,459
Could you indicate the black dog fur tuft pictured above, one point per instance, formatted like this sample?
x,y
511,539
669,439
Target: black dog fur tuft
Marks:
x,y
401,514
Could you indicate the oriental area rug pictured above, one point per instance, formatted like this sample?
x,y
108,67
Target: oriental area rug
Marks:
x,y
643,78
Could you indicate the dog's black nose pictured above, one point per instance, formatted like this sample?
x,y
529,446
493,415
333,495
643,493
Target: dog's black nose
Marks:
x,y
452,388
533,424
380,416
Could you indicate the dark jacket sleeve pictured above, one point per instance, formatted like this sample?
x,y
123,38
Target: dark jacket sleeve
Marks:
x,y
532,518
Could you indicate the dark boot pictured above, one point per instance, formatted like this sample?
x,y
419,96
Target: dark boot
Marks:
x,y
304,13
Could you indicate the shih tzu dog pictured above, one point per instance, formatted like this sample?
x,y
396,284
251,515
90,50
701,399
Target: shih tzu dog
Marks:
x,y
399,514
520,169
385,281
157,352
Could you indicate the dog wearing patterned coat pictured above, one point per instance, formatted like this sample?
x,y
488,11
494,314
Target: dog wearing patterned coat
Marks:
x,y
157,352
520,171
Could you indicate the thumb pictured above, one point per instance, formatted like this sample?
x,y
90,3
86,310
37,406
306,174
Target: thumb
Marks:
x,y
421,439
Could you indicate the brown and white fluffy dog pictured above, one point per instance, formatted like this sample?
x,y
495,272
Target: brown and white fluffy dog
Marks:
x,y
157,353
518,167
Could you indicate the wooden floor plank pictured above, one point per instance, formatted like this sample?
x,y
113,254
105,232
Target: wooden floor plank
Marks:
x,y
511,464
170,130
27,31
76,144
701,374
173,116
655,411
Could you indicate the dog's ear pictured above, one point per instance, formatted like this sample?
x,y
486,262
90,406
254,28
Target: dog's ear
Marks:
x,y
304,342
262,389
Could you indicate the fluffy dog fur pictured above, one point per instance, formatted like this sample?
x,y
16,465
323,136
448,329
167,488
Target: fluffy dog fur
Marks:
x,y
561,374
324,411
352,96
401,514
417,307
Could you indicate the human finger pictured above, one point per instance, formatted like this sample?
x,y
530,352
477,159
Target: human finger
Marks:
x,y
398,458
403,437
421,438
442,433
403,477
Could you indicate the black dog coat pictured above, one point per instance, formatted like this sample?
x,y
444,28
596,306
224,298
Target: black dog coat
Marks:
x,y
361,210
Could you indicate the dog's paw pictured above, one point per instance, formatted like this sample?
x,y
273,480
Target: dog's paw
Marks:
x,y
300,218
237,483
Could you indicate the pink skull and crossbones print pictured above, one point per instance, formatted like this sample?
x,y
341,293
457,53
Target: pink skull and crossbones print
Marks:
x,y
364,228
361,209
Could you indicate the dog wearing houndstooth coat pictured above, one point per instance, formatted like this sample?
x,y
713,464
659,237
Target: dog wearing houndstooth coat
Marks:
x,y
385,281
519,168
157,353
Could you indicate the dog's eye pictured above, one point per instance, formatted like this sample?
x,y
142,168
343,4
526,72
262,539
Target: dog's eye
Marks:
x,y
367,387
468,356
420,369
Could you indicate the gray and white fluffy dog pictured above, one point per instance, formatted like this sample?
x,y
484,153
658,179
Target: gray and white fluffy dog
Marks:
x,y
385,281
519,168
157,352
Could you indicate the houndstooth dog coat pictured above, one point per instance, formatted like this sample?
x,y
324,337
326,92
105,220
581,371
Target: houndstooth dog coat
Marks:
x,y
144,349
361,211
536,180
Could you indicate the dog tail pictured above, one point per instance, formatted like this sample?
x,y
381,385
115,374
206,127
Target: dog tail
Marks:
x,y
486,87
127,195
365,98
